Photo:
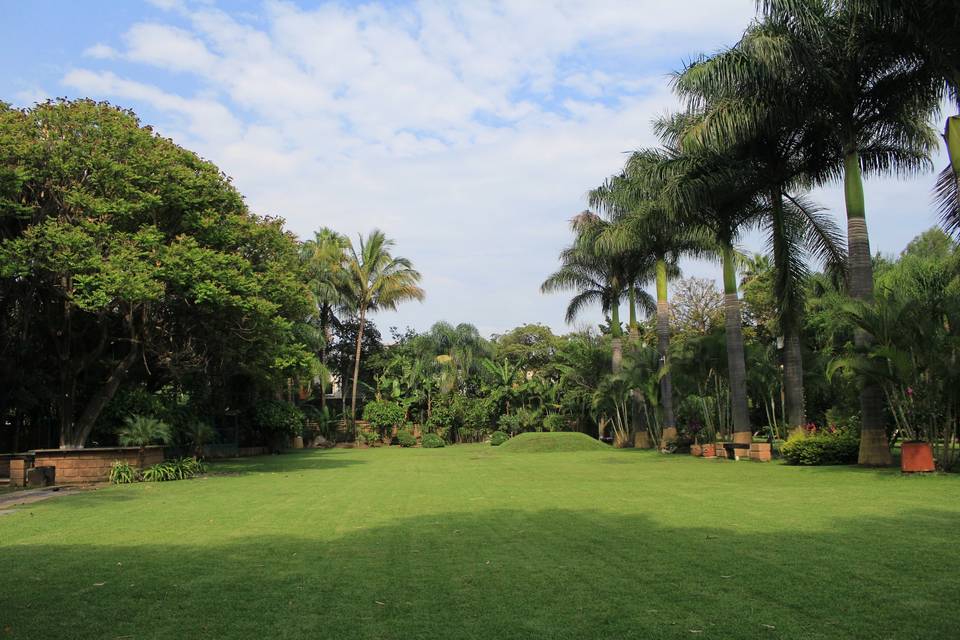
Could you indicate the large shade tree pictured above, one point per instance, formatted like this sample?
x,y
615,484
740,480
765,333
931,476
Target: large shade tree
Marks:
x,y
120,250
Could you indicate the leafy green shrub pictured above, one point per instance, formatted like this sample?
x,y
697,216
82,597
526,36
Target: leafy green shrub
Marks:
x,y
554,422
123,473
406,438
140,431
821,447
477,417
383,416
432,441
179,469
277,418
441,420
368,437
498,438
509,423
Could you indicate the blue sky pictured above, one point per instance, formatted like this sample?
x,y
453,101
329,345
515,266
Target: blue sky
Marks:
x,y
468,131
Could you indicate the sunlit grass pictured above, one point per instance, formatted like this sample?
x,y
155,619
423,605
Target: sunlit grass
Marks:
x,y
473,542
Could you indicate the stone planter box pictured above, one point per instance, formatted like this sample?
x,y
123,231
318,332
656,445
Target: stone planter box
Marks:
x,y
82,466
761,451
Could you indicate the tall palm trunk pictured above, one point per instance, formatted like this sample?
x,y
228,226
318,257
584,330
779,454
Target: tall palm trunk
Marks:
x,y
789,319
638,419
616,338
669,433
356,372
735,359
874,448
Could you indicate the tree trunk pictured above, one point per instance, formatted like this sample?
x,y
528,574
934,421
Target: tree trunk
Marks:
x,y
874,448
102,397
356,373
736,364
793,378
616,341
669,433
790,308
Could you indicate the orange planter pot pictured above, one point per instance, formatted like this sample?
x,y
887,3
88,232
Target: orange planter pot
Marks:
x,y
916,456
709,451
696,450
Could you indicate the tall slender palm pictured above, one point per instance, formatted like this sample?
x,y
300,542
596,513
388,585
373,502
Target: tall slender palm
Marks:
x,y
643,222
324,260
738,105
376,280
718,194
597,277
872,100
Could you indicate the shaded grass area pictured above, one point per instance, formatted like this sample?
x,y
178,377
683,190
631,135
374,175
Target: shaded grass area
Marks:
x,y
471,542
552,442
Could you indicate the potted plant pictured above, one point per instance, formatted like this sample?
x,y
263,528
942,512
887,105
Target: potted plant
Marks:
x,y
696,430
916,456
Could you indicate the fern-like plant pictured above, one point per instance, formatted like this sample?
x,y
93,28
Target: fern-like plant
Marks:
x,y
141,431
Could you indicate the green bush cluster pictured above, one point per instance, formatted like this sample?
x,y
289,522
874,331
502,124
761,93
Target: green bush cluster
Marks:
x,y
383,415
279,418
406,438
821,448
180,469
432,441
498,438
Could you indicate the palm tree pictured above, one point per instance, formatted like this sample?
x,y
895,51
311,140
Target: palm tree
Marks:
x,y
375,281
736,107
142,431
717,194
604,277
871,97
643,223
324,261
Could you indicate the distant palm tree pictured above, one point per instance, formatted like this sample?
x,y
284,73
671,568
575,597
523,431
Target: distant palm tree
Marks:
x,y
375,280
324,259
644,223
599,277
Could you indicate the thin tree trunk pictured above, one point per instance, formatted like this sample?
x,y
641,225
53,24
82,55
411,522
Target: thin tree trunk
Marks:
x,y
104,395
616,341
793,377
736,364
874,448
669,433
356,373
790,312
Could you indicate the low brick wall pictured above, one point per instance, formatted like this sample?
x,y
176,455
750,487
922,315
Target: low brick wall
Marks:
x,y
18,470
761,451
81,466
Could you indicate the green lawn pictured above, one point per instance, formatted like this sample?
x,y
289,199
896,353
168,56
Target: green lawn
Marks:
x,y
472,542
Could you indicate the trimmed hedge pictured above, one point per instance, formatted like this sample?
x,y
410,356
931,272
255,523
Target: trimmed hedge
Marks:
x,y
821,449
432,441
498,438
406,438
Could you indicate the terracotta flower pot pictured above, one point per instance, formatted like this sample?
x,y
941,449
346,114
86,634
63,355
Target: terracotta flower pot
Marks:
x,y
709,451
696,450
916,456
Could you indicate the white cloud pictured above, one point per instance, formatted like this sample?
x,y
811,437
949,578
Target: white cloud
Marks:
x,y
469,131
100,51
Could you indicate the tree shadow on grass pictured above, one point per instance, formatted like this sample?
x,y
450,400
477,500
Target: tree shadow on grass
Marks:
x,y
501,574
309,460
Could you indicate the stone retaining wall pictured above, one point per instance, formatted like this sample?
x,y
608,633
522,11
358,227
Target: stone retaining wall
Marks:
x,y
81,466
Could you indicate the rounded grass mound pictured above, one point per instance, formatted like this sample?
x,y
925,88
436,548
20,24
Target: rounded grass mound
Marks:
x,y
550,442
